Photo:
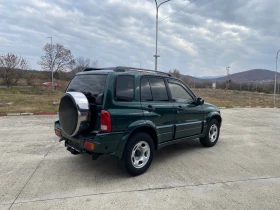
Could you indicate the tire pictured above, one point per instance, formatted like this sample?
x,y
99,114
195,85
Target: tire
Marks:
x,y
212,134
138,154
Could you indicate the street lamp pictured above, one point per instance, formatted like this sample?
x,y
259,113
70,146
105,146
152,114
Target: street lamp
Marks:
x,y
51,59
275,79
156,55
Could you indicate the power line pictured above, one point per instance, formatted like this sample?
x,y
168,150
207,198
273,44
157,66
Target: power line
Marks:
x,y
177,11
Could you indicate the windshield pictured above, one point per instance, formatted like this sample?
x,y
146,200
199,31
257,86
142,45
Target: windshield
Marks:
x,y
90,84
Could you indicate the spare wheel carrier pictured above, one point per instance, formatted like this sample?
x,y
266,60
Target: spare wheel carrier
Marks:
x,y
74,113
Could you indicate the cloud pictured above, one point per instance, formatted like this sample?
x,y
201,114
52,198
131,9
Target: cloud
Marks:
x,y
202,39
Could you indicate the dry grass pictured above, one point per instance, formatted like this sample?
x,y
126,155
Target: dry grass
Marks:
x,y
231,98
29,99
41,99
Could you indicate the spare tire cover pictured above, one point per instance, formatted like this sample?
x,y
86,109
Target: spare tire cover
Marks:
x,y
73,110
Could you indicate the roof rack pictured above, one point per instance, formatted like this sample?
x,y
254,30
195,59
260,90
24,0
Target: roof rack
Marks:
x,y
125,69
98,69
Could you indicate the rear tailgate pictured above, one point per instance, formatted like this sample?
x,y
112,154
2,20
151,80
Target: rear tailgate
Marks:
x,y
92,86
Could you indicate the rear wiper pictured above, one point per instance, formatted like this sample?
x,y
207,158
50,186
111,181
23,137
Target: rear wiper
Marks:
x,y
71,90
89,94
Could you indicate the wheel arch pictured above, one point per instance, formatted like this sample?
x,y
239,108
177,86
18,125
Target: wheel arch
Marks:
x,y
145,127
218,118
214,115
204,139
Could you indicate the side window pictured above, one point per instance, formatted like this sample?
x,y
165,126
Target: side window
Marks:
x,y
158,89
179,93
146,94
124,88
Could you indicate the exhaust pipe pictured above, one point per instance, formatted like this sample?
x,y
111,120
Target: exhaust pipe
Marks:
x,y
73,152
71,149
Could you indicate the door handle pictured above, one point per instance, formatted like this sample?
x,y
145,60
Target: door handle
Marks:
x,y
180,108
150,108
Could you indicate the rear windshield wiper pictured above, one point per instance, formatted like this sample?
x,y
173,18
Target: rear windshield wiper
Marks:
x,y
70,90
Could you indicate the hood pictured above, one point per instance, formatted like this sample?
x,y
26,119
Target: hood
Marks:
x,y
210,108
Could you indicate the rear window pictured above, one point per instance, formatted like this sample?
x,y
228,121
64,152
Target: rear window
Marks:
x,y
124,88
90,84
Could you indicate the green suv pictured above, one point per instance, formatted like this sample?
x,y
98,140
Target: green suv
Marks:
x,y
129,113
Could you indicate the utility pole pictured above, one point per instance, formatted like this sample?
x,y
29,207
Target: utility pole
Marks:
x,y
241,81
156,55
228,77
259,83
275,79
51,59
278,86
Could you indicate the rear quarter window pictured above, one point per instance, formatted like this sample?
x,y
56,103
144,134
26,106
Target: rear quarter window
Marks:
x,y
124,88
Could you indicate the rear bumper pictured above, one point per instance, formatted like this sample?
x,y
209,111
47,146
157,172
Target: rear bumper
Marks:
x,y
104,143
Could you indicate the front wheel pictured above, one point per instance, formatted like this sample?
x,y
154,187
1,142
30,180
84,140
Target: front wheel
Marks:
x,y
212,134
138,154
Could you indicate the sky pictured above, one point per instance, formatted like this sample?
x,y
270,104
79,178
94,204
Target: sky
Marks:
x,y
197,37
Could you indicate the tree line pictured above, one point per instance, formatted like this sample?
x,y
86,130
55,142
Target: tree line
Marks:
x,y
56,58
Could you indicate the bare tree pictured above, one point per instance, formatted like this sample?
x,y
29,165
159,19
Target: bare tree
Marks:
x,y
56,58
29,77
81,63
12,68
2,74
94,64
185,80
175,72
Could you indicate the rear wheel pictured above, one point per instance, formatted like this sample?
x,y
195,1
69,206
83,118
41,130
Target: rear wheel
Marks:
x,y
138,154
212,134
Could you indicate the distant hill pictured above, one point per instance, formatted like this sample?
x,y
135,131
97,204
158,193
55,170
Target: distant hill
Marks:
x,y
252,75
190,78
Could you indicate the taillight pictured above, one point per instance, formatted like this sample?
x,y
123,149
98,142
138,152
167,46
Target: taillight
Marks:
x,y
57,132
105,121
89,145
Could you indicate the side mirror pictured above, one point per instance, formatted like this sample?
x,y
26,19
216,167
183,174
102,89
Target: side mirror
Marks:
x,y
199,101
99,99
